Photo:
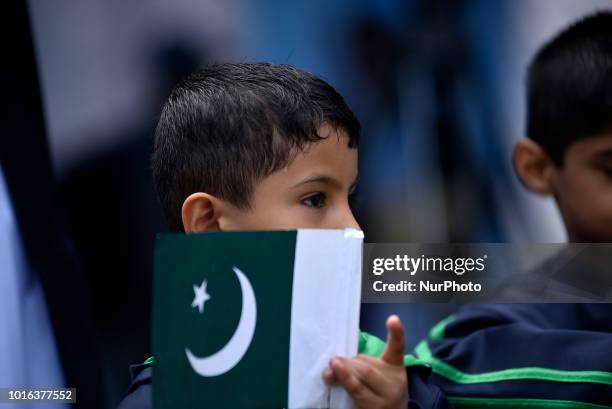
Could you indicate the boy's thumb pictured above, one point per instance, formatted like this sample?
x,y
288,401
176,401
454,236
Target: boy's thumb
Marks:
x,y
394,349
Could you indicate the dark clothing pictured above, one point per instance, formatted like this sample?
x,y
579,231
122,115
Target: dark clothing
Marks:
x,y
139,394
548,352
544,355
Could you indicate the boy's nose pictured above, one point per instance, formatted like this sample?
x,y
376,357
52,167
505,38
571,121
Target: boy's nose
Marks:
x,y
350,221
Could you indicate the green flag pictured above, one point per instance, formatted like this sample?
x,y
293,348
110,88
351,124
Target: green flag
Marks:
x,y
251,319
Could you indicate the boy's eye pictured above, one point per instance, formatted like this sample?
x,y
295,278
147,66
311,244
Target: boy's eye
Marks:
x,y
316,200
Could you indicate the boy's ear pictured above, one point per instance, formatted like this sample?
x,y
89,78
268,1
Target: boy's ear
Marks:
x,y
201,212
533,166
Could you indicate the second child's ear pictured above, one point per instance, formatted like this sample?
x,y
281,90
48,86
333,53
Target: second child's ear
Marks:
x,y
533,167
201,212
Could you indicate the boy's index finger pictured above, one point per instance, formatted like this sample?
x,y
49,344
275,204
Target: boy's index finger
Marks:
x,y
394,349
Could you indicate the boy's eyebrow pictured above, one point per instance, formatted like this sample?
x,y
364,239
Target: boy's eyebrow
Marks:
x,y
324,179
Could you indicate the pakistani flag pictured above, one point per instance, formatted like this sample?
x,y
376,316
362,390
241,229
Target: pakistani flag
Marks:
x,y
251,319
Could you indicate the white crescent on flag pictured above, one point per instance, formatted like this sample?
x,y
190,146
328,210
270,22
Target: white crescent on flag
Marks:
x,y
227,357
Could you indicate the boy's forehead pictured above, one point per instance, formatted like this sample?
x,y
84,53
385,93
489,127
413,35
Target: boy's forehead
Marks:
x,y
327,151
327,160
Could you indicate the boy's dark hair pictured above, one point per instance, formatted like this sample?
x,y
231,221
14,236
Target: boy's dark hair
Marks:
x,y
569,95
227,126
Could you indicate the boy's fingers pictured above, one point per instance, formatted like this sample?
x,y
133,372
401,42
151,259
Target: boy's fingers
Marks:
x,y
367,359
328,376
349,380
369,375
394,349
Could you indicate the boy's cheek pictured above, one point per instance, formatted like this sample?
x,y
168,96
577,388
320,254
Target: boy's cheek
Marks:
x,y
586,207
591,223
269,218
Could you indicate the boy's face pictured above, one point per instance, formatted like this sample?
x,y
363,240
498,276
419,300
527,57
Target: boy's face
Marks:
x,y
311,192
582,187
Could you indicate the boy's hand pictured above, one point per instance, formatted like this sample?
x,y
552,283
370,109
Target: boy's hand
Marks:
x,y
375,383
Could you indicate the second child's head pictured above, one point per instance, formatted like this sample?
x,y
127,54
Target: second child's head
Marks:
x,y
255,146
568,153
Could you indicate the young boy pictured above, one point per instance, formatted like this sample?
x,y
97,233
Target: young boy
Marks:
x,y
547,355
263,147
568,152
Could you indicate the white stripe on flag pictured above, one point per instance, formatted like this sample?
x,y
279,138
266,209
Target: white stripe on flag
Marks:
x,y
325,305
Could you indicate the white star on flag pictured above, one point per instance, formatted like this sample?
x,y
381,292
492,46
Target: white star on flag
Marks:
x,y
201,296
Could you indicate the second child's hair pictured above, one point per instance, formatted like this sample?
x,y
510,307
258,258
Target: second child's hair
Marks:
x,y
227,126
569,95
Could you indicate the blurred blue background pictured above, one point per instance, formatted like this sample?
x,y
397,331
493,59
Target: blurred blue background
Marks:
x,y
438,86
